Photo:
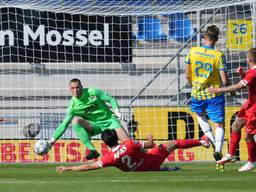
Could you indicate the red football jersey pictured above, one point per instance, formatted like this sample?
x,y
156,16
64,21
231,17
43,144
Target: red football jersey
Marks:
x,y
250,81
129,156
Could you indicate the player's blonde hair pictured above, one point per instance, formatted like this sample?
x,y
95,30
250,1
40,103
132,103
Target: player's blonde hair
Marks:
x,y
251,54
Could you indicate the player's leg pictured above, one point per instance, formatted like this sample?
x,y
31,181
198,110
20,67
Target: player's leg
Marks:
x,y
185,143
84,130
235,138
219,140
157,156
250,130
251,148
199,107
114,123
122,134
216,113
206,128
237,125
162,151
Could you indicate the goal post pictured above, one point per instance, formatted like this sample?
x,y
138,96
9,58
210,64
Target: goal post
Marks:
x,y
135,50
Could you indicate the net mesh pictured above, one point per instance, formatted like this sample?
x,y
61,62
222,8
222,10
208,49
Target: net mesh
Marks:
x,y
121,7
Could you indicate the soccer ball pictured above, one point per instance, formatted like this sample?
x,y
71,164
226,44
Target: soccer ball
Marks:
x,y
41,147
31,130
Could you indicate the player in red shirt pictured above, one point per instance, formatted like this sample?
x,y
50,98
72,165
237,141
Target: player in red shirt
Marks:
x,y
130,155
247,113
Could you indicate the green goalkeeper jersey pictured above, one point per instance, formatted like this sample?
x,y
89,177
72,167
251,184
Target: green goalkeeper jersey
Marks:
x,y
90,106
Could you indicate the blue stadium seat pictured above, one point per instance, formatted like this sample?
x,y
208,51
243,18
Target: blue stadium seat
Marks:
x,y
139,2
107,2
180,27
75,2
150,29
168,2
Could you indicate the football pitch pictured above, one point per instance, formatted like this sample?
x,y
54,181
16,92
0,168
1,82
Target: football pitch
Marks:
x,y
193,177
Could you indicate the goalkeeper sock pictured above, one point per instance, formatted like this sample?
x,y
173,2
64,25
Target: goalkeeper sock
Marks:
x,y
206,128
234,141
219,139
184,144
83,135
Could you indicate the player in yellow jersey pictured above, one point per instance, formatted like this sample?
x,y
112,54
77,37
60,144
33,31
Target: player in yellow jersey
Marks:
x,y
206,67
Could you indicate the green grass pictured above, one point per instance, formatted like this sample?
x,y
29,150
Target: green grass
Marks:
x,y
193,177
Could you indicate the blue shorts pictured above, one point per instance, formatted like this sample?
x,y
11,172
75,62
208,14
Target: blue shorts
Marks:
x,y
214,107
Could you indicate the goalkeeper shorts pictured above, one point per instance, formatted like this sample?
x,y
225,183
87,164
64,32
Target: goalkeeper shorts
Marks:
x,y
99,126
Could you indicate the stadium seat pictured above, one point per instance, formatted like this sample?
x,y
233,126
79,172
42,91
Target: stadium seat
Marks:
x,y
107,2
73,2
150,29
168,2
139,2
180,27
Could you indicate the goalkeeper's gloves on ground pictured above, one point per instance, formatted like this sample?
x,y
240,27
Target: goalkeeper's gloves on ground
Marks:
x,y
118,114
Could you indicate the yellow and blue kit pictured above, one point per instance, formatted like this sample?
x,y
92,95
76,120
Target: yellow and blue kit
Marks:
x,y
206,64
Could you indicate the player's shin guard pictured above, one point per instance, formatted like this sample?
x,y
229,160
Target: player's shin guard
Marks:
x,y
83,136
187,143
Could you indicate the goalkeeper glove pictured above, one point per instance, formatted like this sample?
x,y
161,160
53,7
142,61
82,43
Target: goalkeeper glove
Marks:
x,y
118,114
51,142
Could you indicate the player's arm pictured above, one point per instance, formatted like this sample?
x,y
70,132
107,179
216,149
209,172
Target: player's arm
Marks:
x,y
222,66
224,78
141,145
223,73
240,71
61,129
62,126
188,73
85,167
231,88
106,97
188,70
225,81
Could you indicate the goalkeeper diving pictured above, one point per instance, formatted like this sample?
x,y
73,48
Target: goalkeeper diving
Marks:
x,y
90,115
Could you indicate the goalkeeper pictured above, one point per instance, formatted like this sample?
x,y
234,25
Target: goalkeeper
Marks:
x,y
89,115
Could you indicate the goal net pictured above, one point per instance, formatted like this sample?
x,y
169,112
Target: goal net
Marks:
x,y
134,50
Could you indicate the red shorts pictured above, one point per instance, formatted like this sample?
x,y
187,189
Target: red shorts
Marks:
x,y
160,153
243,113
250,126
250,116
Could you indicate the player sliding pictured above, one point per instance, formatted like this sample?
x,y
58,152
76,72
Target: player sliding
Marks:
x,y
206,67
131,156
90,115
247,113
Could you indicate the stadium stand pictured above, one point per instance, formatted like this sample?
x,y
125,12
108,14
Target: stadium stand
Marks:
x,y
150,29
139,2
180,27
168,2
107,2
